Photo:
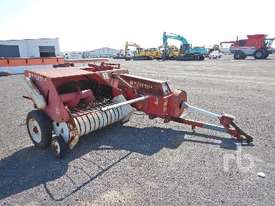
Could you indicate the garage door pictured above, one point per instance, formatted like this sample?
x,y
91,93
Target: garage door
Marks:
x,y
47,51
9,51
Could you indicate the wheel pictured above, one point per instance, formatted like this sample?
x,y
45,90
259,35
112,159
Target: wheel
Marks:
x,y
239,55
201,58
58,146
39,128
243,56
266,54
260,54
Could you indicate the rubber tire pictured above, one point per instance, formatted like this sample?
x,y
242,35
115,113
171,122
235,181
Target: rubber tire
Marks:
x,y
262,54
58,140
266,54
244,56
239,55
45,125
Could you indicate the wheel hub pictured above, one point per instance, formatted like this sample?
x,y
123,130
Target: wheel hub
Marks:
x,y
56,147
35,130
258,54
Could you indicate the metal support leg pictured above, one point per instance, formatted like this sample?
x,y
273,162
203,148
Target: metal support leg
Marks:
x,y
228,126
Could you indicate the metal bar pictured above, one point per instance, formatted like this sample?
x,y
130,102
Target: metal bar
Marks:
x,y
199,124
190,107
123,81
214,127
124,103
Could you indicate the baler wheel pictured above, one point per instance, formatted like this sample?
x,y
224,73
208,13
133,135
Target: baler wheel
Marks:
x,y
58,146
39,128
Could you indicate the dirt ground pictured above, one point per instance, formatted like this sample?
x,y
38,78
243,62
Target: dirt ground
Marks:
x,y
147,162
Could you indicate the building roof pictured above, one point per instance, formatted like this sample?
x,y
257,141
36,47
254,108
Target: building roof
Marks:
x,y
29,39
103,48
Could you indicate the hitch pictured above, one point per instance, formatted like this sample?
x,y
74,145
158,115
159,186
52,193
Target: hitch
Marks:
x,y
226,120
160,101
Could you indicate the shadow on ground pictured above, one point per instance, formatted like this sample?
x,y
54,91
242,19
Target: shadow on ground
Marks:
x,y
31,167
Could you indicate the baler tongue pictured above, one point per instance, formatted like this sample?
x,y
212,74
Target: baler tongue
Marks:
x,y
241,135
226,120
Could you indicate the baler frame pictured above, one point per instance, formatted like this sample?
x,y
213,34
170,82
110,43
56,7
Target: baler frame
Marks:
x,y
78,101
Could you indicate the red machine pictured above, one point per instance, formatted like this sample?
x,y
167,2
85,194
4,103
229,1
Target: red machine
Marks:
x,y
72,102
255,45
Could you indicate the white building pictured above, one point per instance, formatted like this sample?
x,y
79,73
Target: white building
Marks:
x,y
101,52
26,48
73,55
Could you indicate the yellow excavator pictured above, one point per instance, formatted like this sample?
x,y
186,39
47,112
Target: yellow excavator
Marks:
x,y
173,51
140,53
155,53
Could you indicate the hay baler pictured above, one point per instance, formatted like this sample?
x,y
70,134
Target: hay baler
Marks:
x,y
73,102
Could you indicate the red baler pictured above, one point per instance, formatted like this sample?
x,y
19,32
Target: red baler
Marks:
x,y
72,102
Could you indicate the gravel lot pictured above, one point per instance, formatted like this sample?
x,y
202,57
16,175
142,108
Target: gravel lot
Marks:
x,y
147,162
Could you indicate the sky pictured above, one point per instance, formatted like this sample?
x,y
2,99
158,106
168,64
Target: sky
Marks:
x,y
90,24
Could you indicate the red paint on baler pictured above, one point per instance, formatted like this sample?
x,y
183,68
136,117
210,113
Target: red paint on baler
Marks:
x,y
162,101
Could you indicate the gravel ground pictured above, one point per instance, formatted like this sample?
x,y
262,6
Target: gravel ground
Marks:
x,y
147,162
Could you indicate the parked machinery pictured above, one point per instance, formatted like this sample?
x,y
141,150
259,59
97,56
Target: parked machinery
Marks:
x,y
186,51
171,53
256,45
214,52
72,102
139,54
155,53
120,55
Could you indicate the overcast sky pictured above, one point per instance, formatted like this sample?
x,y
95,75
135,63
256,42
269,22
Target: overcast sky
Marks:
x,y
89,24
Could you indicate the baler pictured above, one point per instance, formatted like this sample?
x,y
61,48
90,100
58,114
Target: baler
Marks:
x,y
73,102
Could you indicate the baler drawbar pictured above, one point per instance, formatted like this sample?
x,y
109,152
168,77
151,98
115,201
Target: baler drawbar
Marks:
x,y
73,102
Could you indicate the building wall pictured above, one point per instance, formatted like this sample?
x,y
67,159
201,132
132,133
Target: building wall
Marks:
x,y
19,43
30,47
72,55
101,52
